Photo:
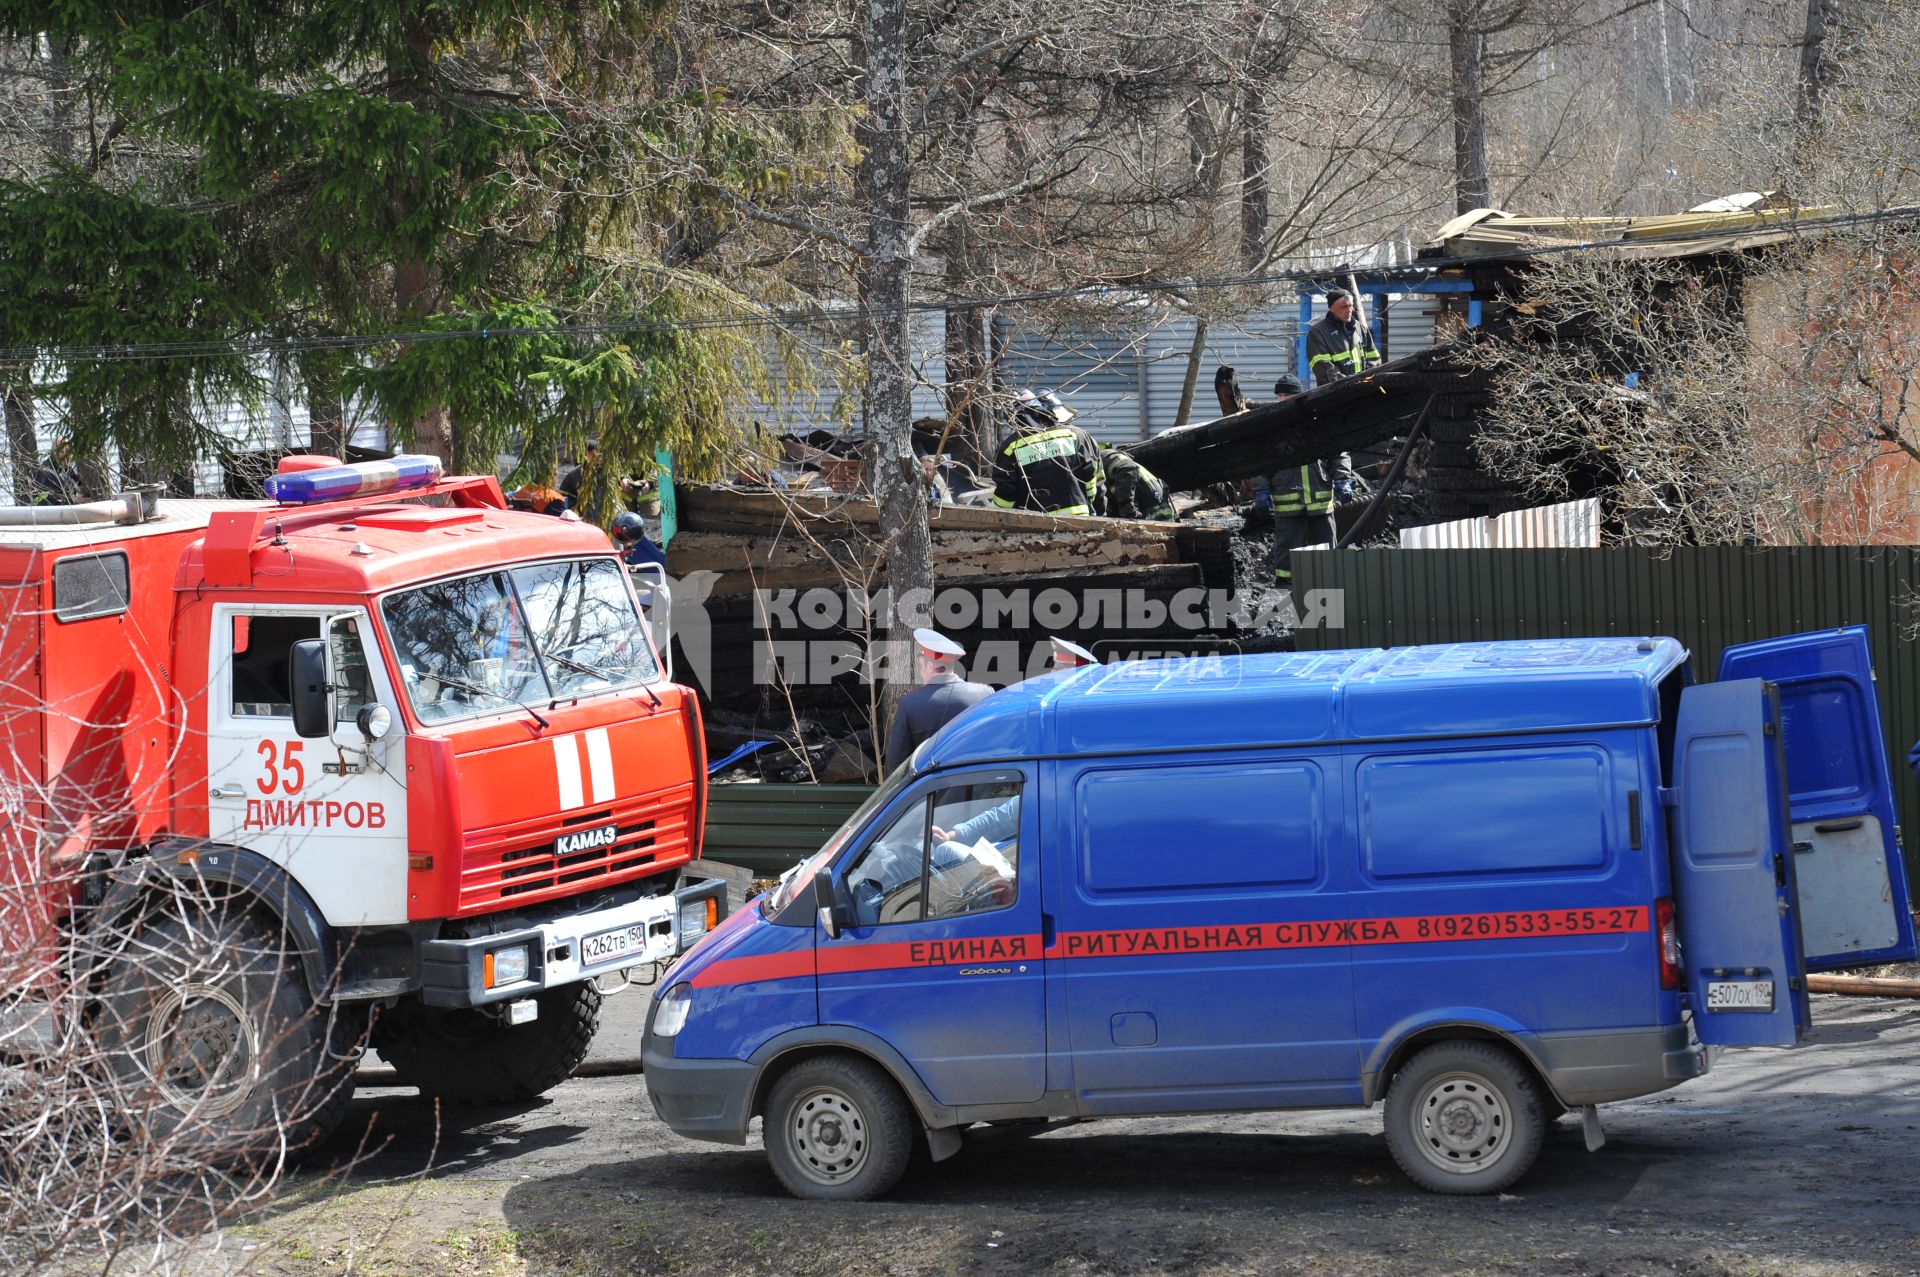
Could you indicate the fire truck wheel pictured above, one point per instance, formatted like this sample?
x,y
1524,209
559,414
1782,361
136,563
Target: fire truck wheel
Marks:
x,y
213,1044
469,1057
837,1129
1464,1117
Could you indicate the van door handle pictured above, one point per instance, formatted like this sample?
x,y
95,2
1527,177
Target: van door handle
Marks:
x,y
1838,826
1046,931
227,791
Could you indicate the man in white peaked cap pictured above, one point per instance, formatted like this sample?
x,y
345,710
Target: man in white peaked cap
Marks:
x,y
1068,655
940,698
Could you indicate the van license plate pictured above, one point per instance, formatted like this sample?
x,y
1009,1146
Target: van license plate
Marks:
x,y
1739,995
609,945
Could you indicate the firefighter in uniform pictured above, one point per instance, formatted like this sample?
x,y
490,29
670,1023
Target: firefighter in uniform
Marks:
x,y
1048,464
1301,499
1133,491
1337,346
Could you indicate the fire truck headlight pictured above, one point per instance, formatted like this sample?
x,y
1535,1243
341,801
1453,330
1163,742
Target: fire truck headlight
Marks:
x,y
506,966
696,920
374,721
675,1004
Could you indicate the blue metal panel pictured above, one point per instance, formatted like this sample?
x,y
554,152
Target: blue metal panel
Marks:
x,y
1733,876
1504,687
1300,342
1173,998
1853,891
1448,830
732,1016
1486,813
1302,697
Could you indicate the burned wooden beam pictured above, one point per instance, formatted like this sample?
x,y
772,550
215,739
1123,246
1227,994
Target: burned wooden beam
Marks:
x,y
1324,422
769,540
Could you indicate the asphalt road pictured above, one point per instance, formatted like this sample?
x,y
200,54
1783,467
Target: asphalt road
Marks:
x,y
1803,1160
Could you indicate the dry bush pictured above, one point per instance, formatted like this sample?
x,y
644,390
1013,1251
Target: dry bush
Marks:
x,y
158,1081
163,1058
1724,399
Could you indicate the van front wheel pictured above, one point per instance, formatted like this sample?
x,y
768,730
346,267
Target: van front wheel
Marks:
x,y
837,1129
1464,1117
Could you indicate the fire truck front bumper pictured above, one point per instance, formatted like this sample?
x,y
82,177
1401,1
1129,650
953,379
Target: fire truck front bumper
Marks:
x,y
478,970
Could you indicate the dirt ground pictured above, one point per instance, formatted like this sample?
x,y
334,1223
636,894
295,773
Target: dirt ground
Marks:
x,y
1802,1161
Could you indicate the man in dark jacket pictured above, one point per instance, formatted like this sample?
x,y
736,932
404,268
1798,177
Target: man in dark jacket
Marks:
x,y
942,696
1048,464
1133,491
1337,345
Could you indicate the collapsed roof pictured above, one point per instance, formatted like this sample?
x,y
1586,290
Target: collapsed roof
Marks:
x,y
1328,420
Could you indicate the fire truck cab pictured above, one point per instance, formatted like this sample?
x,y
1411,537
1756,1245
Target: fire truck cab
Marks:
x,y
421,745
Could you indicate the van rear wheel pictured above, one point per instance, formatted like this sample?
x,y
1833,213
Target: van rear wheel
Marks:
x,y
837,1129
1464,1117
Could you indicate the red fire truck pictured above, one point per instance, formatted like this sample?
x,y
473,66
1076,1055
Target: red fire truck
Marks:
x,y
421,743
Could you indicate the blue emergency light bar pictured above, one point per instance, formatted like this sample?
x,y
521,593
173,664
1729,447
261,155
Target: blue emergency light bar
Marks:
x,y
360,479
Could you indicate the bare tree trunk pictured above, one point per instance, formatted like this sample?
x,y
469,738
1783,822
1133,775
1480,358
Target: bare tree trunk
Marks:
x,y
326,414
1202,156
1466,48
1195,354
966,349
886,181
1255,194
1666,54
23,446
96,477
1816,56
413,291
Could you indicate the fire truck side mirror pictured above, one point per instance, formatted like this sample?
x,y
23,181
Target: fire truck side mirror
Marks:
x,y
307,672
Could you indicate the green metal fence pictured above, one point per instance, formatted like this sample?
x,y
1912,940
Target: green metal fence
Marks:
x,y
1707,597
770,828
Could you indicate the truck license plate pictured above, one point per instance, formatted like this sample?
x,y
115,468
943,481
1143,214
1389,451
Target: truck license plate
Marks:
x,y
609,945
1739,995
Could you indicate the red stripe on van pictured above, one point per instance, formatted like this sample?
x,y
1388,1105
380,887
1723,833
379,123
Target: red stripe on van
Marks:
x,y
1426,929
841,957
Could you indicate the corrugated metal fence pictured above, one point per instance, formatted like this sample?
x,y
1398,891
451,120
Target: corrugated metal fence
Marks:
x,y
770,828
1707,597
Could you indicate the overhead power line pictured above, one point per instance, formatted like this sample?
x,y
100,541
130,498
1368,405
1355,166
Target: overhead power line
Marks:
x,y
805,316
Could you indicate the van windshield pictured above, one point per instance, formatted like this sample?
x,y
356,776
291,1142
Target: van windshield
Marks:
x,y
801,874
543,632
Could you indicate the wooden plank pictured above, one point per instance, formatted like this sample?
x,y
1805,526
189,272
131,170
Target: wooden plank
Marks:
x,y
716,509
1864,986
748,562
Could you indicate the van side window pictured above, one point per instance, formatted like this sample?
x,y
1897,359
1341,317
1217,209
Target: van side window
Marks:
x,y
954,852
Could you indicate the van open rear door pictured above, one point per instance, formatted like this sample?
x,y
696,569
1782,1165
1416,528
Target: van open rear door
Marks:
x,y
1732,872
1853,897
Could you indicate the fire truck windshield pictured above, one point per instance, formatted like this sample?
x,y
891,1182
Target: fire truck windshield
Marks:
x,y
542,632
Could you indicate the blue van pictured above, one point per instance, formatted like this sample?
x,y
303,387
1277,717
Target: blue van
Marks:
x,y
1485,883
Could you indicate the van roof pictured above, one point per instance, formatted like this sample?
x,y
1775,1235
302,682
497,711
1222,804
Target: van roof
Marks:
x,y
1449,689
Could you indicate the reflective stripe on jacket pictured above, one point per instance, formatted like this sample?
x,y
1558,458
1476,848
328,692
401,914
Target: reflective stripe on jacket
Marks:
x,y
1055,470
1336,350
1302,489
